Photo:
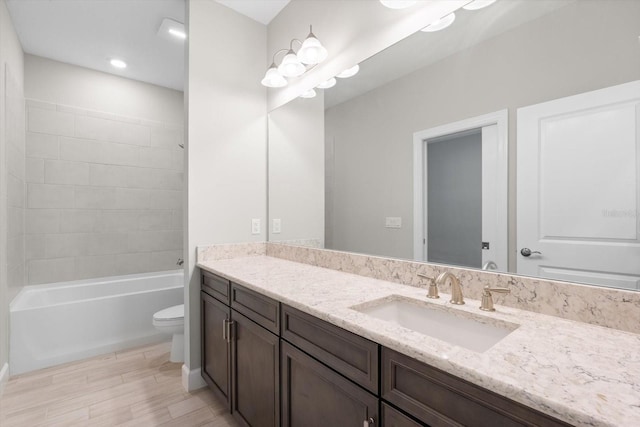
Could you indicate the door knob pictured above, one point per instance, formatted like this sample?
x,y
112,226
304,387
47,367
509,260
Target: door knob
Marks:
x,y
526,252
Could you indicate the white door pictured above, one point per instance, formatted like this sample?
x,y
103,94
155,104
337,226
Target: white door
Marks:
x,y
578,188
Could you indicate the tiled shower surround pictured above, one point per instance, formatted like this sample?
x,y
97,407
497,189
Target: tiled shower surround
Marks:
x,y
104,194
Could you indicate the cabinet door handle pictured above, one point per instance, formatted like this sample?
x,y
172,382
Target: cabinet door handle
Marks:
x,y
229,330
369,423
224,330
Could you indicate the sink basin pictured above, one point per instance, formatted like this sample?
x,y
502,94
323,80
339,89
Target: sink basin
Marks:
x,y
456,327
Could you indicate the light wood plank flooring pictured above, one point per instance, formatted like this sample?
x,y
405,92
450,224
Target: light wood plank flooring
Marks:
x,y
137,387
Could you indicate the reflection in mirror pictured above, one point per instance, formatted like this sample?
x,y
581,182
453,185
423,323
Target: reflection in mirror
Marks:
x,y
559,76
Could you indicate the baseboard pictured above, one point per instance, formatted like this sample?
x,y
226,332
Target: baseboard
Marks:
x,y
192,379
4,377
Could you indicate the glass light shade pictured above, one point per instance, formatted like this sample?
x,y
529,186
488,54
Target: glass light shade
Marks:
x,y
398,4
440,24
309,94
312,51
478,4
291,66
350,72
273,78
328,84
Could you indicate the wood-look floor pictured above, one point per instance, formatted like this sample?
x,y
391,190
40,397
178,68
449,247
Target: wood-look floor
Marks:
x,y
138,387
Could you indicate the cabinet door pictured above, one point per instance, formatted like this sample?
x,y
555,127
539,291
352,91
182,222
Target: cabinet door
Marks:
x,y
315,396
394,418
256,374
216,353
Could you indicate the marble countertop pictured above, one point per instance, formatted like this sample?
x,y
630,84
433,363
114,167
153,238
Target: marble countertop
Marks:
x,y
583,374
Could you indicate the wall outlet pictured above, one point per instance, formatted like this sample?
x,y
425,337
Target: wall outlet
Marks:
x,y
393,222
277,226
255,226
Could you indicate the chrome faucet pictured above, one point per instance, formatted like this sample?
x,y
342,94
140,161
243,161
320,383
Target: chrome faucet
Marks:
x,y
456,289
180,261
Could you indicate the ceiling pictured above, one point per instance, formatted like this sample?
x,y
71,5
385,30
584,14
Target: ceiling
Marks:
x,y
89,33
262,11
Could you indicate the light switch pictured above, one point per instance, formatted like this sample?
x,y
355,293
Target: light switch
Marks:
x,y
255,226
277,225
393,222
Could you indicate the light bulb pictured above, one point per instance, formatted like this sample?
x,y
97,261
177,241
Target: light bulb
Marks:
x,y
478,4
398,4
328,84
273,78
350,72
118,63
440,24
291,65
312,52
309,94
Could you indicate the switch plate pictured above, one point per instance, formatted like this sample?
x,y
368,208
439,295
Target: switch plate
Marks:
x,y
393,222
277,226
255,226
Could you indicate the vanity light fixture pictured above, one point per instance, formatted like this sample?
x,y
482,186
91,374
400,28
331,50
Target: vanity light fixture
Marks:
x,y
309,94
295,64
328,84
398,4
118,63
440,24
349,72
478,4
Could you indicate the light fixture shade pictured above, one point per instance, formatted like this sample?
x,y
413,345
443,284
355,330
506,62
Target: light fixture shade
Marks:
x,y
273,78
312,52
309,94
478,4
440,24
350,72
328,84
291,65
398,4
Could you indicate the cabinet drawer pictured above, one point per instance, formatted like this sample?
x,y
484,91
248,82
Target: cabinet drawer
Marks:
x,y
315,396
439,399
216,286
351,355
391,417
257,307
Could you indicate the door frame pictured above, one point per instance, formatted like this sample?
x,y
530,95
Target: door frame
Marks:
x,y
501,120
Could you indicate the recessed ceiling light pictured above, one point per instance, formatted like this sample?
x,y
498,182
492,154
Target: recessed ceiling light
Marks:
x,y
177,33
171,29
350,72
309,94
118,63
328,84
478,4
398,4
441,23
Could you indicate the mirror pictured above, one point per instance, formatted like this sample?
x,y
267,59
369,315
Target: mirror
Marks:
x,y
482,145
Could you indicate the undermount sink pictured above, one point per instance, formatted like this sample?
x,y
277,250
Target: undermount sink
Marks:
x,y
453,326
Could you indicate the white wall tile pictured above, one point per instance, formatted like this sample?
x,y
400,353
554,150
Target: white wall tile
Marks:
x,y
42,221
94,198
95,266
151,157
104,243
35,247
79,220
177,218
80,150
15,251
154,178
50,270
107,175
133,263
146,241
166,137
41,145
15,161
166,260
118,221
15,221
165,199
63,245
132,198
50,122
15,191
49,196
111,131
34,170
119,154
64,172
155,220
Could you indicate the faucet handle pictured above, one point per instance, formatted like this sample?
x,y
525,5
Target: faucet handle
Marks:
x,y
433,286
487,299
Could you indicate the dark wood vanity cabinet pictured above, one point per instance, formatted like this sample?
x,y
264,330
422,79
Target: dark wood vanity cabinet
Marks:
x,y
216,351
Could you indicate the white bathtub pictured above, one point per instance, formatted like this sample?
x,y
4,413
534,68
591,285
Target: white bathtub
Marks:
x,y
62,322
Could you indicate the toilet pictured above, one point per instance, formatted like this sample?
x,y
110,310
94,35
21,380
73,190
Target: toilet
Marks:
x,y
171,321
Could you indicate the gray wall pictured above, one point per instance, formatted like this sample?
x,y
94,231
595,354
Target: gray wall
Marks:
x,y
104,174
454,207
585,46
12,176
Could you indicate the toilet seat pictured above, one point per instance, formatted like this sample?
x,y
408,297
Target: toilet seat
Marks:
x,y
172,316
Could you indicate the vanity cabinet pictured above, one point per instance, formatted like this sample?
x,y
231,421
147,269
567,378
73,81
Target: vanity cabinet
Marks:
x,y
216,350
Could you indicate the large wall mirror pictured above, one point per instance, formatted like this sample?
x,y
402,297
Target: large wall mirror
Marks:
x,y
508,141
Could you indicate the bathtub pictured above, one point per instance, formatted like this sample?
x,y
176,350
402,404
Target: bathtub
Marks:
x,y
62,322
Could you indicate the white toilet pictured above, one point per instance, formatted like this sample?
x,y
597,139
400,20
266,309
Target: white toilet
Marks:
x,y
171,321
